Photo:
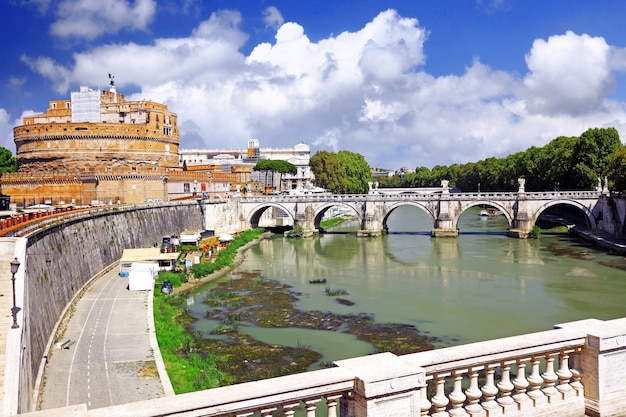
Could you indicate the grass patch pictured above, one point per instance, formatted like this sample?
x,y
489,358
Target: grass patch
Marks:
x,y
334,221
335,292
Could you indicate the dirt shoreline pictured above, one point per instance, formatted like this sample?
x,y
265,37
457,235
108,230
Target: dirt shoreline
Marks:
x,y
239,258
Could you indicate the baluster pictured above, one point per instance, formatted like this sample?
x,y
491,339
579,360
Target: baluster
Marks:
x,y
424,403
549,377
290,409
457,398
535,381
267,412
521,383
440,401
564,374
311,405
331,402
489,390
245,414
473,394
576,384
505,386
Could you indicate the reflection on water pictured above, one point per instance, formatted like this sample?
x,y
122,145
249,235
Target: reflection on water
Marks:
x,y
481,285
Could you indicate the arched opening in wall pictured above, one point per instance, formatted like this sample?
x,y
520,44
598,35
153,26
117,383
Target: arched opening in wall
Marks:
x,y
559,218
483,219
338,219
272,218
408,219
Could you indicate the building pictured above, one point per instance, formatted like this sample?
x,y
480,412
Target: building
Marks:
x,y
240,162
98,148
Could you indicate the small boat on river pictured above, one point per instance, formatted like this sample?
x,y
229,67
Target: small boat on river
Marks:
x,y
489,212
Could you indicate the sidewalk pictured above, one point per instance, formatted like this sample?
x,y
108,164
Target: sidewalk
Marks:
x,y
107,353
601,239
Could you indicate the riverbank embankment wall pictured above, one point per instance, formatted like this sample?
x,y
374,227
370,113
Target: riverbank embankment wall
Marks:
x,y
613,219
76,252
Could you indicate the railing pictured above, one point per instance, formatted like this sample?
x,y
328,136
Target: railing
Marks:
x,y
538,374
531,359
22,224
483,196
317,390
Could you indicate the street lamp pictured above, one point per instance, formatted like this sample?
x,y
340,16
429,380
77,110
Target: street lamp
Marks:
x,y
15,265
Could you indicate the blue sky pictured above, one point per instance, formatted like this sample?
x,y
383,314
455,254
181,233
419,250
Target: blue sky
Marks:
x,y
404,83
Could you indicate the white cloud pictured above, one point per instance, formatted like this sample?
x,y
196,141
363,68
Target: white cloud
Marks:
x,y
90,19
569,74
6,128
273,18
6,131
363,91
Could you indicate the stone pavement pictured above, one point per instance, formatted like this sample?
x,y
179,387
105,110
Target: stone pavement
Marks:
x,y
107,353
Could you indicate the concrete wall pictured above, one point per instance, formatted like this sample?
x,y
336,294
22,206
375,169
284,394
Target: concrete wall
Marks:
x,y
79,251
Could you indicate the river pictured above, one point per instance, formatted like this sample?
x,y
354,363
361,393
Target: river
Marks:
x,y
479,286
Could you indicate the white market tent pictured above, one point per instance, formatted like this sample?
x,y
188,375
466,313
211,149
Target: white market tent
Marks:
x,y
141,276
225,237
133,265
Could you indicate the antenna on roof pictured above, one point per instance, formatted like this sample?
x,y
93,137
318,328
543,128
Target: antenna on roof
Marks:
x,y
112,88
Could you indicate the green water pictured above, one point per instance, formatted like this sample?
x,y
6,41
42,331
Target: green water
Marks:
x,y
479,286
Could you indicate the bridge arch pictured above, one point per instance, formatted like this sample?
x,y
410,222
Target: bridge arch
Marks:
x,y
392,207
591,220
323,209
506,211
256,213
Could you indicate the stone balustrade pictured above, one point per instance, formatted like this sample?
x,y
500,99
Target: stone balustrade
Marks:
x,y
574,370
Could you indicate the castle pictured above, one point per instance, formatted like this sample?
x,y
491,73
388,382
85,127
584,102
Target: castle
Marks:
x,y
97,148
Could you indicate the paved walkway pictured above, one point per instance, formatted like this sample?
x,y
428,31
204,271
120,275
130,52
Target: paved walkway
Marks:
x,y
110,355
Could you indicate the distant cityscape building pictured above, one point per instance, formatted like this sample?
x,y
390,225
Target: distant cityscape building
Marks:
x,y
225,161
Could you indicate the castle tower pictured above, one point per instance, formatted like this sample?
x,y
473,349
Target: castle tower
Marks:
x,y
95,146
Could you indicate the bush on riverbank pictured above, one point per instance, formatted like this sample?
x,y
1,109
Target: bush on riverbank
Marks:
x,y
226,256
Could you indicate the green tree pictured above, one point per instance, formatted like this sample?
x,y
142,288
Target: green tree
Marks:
x,y
275,165
358,173
342,172
616,169
8,163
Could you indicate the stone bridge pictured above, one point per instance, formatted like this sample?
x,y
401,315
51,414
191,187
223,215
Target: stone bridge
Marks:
x,y
444,208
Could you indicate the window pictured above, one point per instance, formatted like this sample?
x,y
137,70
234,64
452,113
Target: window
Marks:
x,y
54,105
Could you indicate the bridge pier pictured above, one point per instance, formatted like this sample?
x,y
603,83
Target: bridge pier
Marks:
x,y
371,226
307,223
521,225
444,225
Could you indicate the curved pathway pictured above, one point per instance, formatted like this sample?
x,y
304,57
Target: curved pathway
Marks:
x,y
110,355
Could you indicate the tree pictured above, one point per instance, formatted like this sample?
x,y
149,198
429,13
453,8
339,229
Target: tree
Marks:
x,y
616,169
342,172
276,165
8,163
358,173
328,170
